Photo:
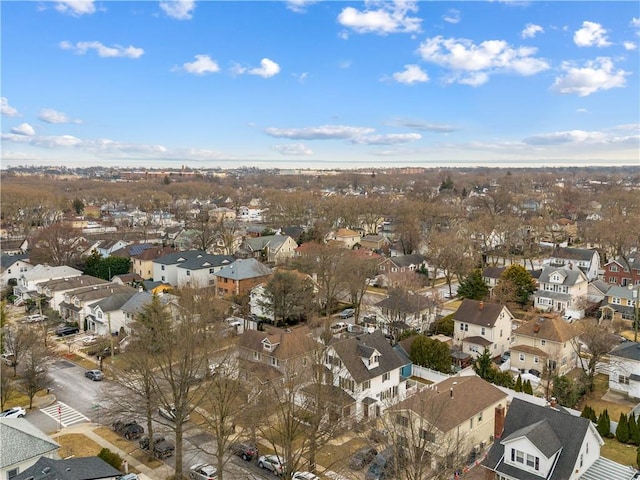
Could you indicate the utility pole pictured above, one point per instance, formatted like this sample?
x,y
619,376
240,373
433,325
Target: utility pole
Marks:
x,y
110,335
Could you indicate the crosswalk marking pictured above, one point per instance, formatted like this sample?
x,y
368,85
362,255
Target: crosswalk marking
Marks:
x,y
64,414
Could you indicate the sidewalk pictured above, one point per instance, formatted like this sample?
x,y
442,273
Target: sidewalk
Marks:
x,y
87,429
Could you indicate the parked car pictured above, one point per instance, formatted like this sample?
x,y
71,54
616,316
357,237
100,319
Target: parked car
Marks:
x,y
9,359
162,447
89,340
67,330
273,463
245,450
15,412
128,429
203,471
170,413
347,313
338,327
95,375
304,476
362,457
382,466
505,356
35,318
128,476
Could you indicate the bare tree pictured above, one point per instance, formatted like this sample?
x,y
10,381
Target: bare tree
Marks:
x,y
57,244
598,342
19,341
7,387
35,375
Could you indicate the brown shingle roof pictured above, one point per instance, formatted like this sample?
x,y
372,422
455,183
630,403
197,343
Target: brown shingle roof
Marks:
x,y
471,395
478,312
290,343
553,329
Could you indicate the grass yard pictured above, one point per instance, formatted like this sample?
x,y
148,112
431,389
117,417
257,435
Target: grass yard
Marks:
x,y
77,445
595,401
336,457
619,452
130,447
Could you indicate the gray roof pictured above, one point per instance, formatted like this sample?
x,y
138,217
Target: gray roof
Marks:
x,y
406,260
274,242
405,303
622,292
242,269
82,468
633,261
601,285
206,261
141,299
569,253
21,441
115,301
630,350
541,435
180,257
493,272
572,275
350,352
605,468
569,430
7,260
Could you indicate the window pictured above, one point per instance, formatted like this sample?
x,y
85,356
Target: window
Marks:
x,y
483,331
519,456
612,280
402,420
366,385
257,355
464,327
188,273
427,436
162,278
386,376
521,357
274,362
346,384
616,300
623,379
543,342
162,268
535,360
480,417
12,473
212,271
500,333
471,423
614,268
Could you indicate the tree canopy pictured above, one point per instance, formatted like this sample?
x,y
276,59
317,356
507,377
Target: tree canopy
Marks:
x,y
473,286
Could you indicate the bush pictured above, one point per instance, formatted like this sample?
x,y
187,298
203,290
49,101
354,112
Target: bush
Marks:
x,y
111,458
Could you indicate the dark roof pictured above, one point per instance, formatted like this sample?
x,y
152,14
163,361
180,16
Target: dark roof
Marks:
x,y
571,275
349,351
524,419
493,272
569,253
179,257
630,350
206,261
7,260
82,468
405,303
477,340
243,269
478,312
406,260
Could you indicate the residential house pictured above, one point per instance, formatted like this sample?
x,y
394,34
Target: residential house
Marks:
x,y
257,296
414,310
623,272
22,445
274,352
199,271
12,266
491,276
76,306
274,249
106,316
28,281
479,324
348,238
402,266
597,291
454,417
240,277
562,290
79,468
168,268
55,290
249,214
369,370
136,304
14,247
142,262
624,369
156,287
546,442
547,342
132,279
106,247
585,259
377,243
620,303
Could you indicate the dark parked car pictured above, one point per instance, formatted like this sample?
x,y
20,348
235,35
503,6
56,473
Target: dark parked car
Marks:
x,y
67,330
245,450
162,447
362,457
128,429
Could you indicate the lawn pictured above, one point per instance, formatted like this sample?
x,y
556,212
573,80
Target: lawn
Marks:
x,y
619,452
595,401
77,445
130,447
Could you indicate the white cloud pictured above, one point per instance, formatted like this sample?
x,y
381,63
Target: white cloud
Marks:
x,y
323,132
81,48
268,68
345,64
6,109
582,137
596,75
201,65
24,129
299,6
423,126
531,30
76,7
293,149
629,45
300,76
178,9
591,34
388,17
582,110
389,139
411,74
452,16
49,115
472,64
635,22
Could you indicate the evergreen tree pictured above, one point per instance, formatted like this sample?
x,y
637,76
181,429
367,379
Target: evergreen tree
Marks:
x,y
518,384
588,412
527,387
604,424
473,286
622,432
638,457
483,365
521,281
634,430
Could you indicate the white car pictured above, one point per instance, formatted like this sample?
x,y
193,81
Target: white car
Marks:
x,y
15,412
273,463
89,340
35,318
304,476
170,413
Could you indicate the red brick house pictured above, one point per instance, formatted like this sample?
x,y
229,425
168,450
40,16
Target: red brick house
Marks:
x,y
623,272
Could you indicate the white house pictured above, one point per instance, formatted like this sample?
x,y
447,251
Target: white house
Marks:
x,y
549,443
55,290
12,266
368,369
479,324
624,369
22,445
193,267
586,260
562,290
27,282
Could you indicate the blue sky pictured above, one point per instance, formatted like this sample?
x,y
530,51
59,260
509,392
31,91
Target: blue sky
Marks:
x,y
320,83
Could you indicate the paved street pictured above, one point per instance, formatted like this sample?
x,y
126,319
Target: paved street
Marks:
x,y
64,414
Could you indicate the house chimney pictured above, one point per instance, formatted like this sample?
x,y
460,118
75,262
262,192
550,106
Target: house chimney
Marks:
x,y
536,328
553,403
498,426
481,305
